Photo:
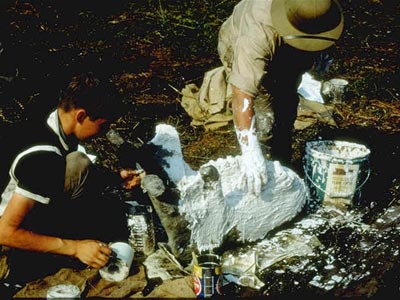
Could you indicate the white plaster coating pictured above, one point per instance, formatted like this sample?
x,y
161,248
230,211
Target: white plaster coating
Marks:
x,y
246,104
212,212
253,173
167,137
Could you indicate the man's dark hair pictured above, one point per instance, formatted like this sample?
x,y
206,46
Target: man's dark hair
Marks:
x,y
97,96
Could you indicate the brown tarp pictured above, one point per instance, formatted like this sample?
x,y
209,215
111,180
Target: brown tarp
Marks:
x,y
92,285
89,281
210,105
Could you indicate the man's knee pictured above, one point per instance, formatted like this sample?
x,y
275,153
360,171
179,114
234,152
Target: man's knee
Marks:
x,y
77,169
78,161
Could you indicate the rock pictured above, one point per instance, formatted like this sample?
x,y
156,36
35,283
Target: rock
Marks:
x,y
165,205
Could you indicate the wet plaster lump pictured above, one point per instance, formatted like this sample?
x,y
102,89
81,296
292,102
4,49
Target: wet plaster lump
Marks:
x,y
211,207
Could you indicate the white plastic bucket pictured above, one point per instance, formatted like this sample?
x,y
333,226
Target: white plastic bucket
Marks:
x,y
335,172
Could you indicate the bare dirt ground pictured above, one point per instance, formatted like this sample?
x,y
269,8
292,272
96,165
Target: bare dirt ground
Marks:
x,y
153,48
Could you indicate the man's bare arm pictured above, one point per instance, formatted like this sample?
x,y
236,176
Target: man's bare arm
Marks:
x,y
242,107
91,252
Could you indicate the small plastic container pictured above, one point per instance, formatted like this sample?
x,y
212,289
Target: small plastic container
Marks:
x,y
64,291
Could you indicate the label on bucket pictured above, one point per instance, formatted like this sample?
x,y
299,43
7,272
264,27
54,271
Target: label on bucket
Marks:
x,y
341,181
207,280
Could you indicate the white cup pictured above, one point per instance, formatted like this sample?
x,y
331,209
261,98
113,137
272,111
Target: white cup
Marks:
x,y
119,269
124,252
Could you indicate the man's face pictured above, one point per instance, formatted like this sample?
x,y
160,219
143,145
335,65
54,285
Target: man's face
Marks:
x,y
89,128
299,60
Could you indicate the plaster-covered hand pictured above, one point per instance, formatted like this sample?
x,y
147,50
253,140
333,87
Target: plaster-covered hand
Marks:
x,y
254,174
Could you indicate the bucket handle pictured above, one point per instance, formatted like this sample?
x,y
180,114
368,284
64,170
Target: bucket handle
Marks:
x,y
324,191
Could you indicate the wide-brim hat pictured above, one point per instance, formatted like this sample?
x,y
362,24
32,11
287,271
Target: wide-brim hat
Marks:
x,y
309,25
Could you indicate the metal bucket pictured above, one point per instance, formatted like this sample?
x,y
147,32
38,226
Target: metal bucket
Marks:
x,y
335,172
207,276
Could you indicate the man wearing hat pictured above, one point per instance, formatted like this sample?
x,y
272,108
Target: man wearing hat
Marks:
x,y
265,47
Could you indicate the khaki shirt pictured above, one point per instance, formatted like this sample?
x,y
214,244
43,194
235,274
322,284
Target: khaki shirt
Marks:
x,y
254,54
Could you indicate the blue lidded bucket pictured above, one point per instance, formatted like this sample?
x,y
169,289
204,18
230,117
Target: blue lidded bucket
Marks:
x,y
335,172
